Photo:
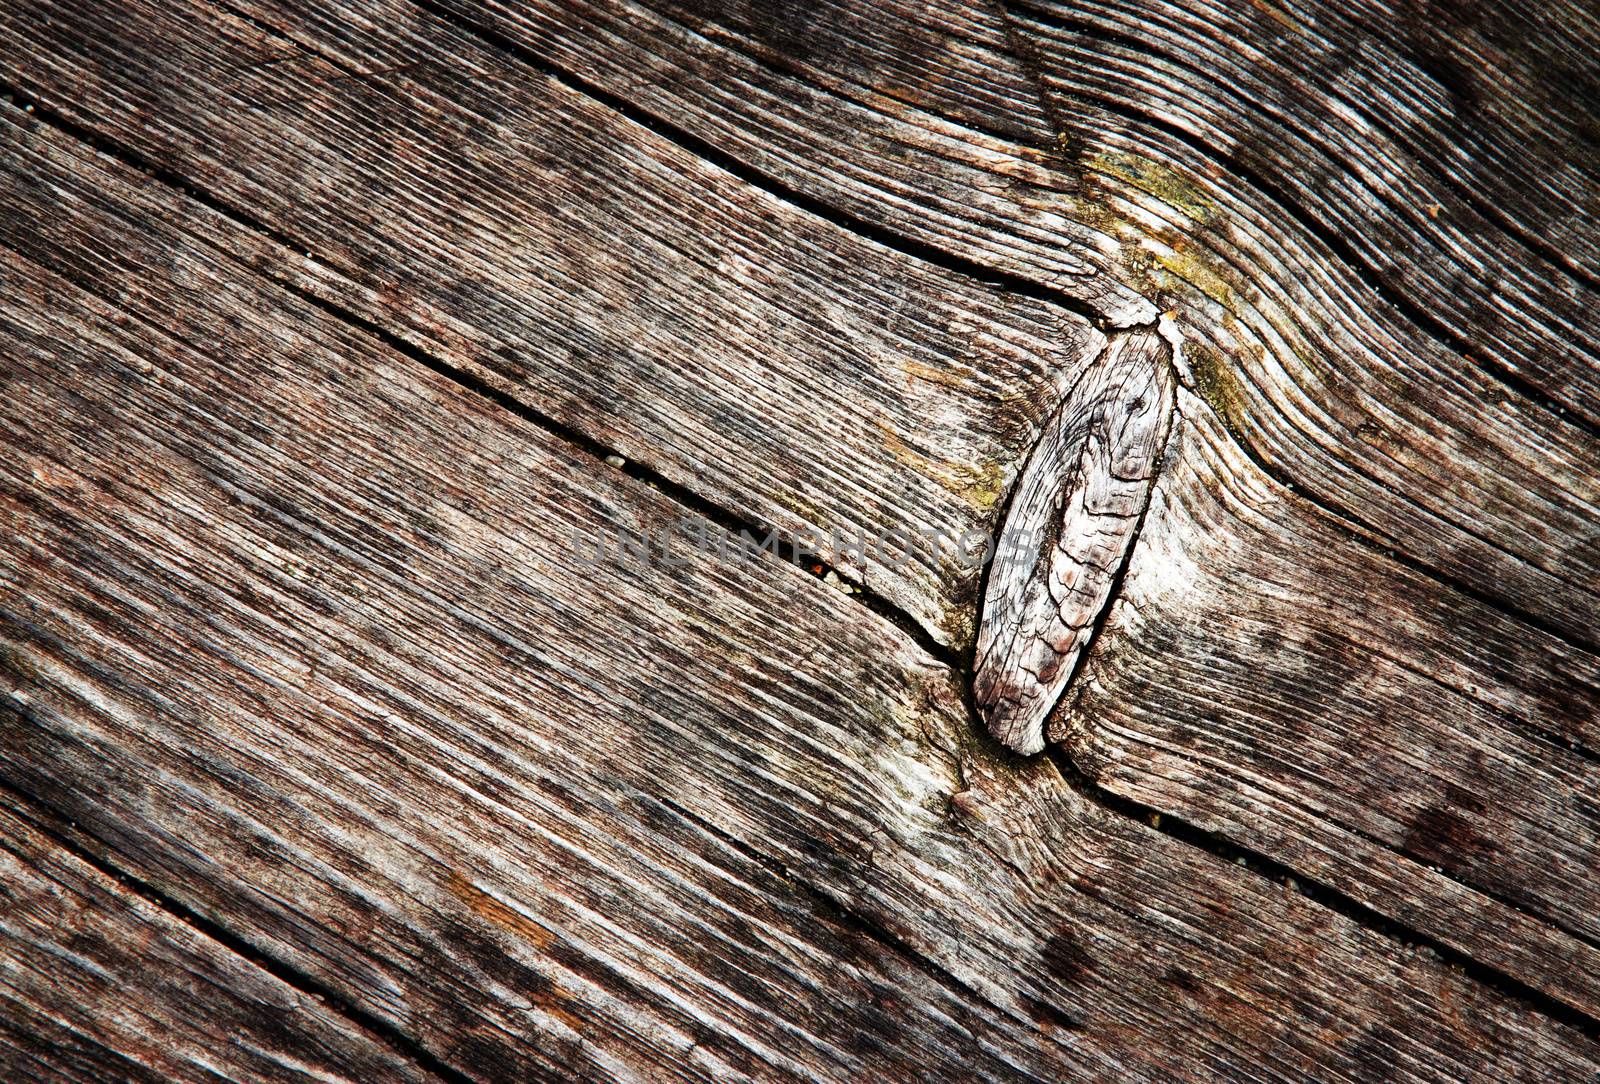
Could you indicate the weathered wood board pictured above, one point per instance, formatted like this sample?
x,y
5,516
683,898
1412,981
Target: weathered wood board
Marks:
x,y
317,322
351,695
602,274
98,984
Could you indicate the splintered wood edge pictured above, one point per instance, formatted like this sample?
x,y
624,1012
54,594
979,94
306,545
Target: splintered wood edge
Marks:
x,y
1070,525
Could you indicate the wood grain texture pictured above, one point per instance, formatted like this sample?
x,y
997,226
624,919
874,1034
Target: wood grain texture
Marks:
x,y
97,984
296,633
1446,558
1321,704
747,249
1443,446
789,370
1443,336
1069,526
916,118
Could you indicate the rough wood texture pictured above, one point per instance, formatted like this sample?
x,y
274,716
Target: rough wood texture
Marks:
x,y
1436,513
318,320
1437,447
98,984
296,632
787,369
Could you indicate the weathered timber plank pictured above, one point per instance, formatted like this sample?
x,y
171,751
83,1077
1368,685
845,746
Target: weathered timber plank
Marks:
x,y
1313,367
97,984
1421,443
783,367
1540,475
1315,702
294,633
1488,669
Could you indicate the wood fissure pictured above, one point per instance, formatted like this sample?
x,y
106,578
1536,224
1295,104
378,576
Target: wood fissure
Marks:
x,y
1013,283
35,813
1265,866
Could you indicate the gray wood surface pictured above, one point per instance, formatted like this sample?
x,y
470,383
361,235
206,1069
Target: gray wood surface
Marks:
x,y
792,372
318,323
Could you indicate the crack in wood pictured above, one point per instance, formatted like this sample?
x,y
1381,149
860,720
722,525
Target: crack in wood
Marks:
x,y
1006,281
28,808
1325,895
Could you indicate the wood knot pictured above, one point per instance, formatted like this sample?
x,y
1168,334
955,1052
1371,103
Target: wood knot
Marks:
x,y
1067,532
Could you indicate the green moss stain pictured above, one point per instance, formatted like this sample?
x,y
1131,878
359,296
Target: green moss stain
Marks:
x,y
1167,184
809,513
980,486
1217,384
1201,276
1156,260
958,618
959,621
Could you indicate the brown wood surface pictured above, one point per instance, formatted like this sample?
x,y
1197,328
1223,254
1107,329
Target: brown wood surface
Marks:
x,y
98,983
327,747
